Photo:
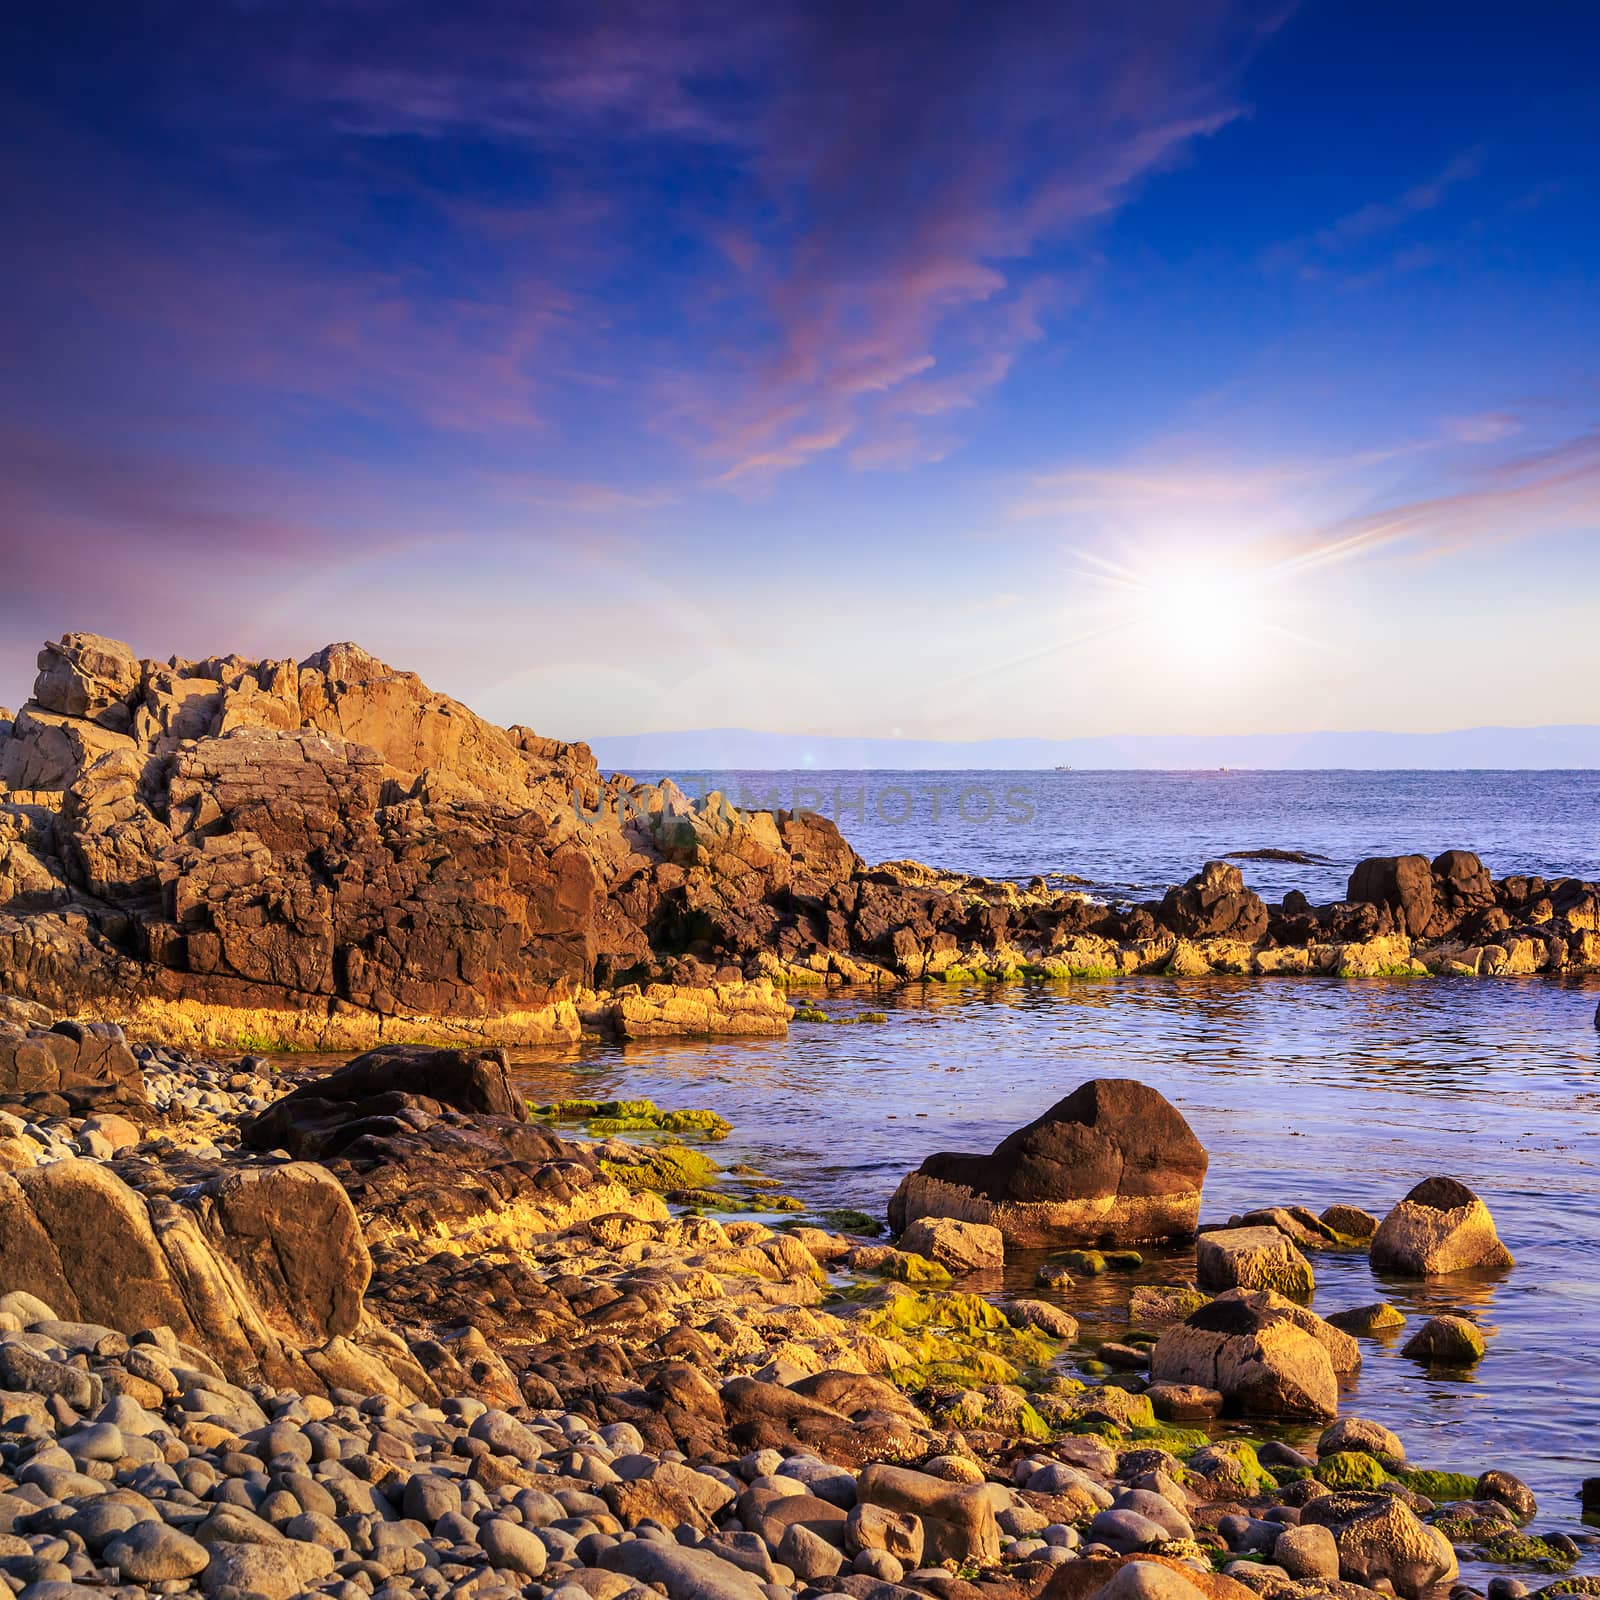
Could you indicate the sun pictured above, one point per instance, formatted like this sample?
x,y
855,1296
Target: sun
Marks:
x,y
1207,614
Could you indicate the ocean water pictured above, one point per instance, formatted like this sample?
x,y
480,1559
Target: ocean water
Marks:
x,y
1131,834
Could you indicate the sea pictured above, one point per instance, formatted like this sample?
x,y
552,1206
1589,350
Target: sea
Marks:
x,y
1303,1090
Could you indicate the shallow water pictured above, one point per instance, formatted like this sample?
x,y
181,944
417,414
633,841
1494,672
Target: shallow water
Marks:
x,y
1301,1090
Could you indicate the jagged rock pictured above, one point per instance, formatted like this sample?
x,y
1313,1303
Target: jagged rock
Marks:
x,y
70,1066
1215,904
1440,1227
1113,1163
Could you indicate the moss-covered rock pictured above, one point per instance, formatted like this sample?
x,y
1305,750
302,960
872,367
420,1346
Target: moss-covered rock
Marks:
x,y
1438,1485
1527,1550
844,1220
661,1167
1350,1469
605,1117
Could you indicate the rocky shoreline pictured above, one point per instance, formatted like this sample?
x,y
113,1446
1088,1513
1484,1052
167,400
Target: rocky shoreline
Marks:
x,y
261,855
380,1332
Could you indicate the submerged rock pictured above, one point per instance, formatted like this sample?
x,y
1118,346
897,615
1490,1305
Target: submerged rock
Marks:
x,y
1113,1163
1440,1227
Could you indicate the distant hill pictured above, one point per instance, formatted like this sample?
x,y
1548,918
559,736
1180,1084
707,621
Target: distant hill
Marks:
x,y
1574,745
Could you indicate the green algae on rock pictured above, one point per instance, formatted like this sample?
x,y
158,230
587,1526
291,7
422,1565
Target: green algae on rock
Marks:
x,y
633,1116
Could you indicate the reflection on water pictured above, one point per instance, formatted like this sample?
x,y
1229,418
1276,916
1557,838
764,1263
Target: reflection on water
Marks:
x,y
1302,1091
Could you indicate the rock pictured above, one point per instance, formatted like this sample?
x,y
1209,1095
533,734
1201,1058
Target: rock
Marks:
x,y
1253,1258
1184,1402
875,1527
1378,1318
275,1571
1402,883
1215,904
1351,1222
1357,1433
72,1067
808,1555
684,1574
1440,1227
1387,1543
1262,1353
1126,1531
1448,1341
1113,1163
1508,1491
255,1266
151,1552
957,1519
1308,1554
513,1547
959,1247
1040,1314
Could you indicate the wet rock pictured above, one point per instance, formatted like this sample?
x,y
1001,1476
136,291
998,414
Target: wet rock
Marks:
x,y
1113,1163
1040,1314
1448,1341
1509,1491
1253,1258
1389,1544
1440,1227
1357,1433
1377,1318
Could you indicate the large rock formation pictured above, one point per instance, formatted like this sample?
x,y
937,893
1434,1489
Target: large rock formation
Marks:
x,y
51,1068
1113,1163
330,853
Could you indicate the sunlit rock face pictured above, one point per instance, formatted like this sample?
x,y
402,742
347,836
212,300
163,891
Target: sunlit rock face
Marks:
x,y
1113,1163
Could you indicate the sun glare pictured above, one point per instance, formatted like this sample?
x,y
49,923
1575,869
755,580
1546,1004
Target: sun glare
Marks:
x,y
1206,614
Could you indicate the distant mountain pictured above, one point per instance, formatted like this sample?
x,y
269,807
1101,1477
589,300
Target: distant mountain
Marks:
x,y
1569,746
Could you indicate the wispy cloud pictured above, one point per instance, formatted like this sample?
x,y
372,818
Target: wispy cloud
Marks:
x,y
1368,244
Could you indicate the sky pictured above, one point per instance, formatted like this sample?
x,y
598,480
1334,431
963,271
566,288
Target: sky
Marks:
x,y
931,370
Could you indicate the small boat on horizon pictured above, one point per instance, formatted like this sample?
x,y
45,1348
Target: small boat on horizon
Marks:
x,y
1063,769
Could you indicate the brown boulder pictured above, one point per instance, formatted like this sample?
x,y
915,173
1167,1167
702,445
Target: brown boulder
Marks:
x,y
1440,1227
1265,1355
1113,1163
1403,883
1215,904
79,1067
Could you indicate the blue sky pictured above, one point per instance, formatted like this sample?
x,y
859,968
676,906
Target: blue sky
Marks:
x,y
962,371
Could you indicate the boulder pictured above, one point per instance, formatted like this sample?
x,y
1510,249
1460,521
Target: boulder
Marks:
x,y
957,1519
1252,1258
1215,904
255,1267
1265,1355
959,1247
70,1068
1440,1227
1388,1543
1113,1163
1404,884
1447,1341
